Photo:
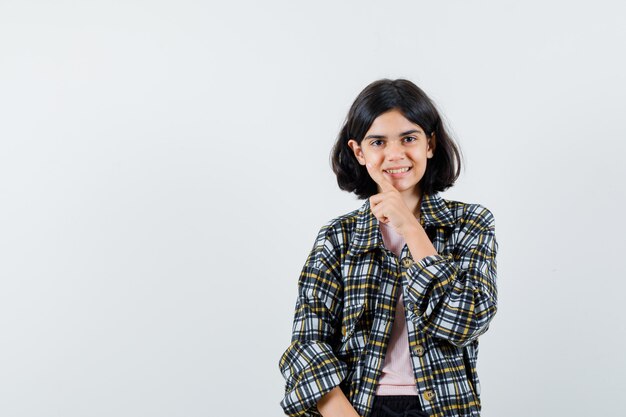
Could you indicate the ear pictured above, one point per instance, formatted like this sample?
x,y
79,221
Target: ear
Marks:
x,y
432,144
358,152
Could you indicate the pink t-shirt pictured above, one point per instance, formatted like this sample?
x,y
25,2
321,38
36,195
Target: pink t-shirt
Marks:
x,y
397,376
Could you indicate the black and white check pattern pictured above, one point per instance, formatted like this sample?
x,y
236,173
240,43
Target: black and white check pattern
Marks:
x,y
347,295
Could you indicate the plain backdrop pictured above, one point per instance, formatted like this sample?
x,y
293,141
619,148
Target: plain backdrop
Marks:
x,y
164,169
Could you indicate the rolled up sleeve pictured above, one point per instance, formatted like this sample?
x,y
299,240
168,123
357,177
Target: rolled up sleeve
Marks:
x,y
455,295
309,365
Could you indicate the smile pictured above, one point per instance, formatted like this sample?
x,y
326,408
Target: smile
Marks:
x,y
397,171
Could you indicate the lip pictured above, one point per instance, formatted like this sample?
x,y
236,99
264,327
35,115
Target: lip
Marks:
x,y
406,166
398,175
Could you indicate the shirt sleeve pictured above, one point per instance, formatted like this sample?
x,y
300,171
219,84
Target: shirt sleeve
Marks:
x,y
309,364
455,295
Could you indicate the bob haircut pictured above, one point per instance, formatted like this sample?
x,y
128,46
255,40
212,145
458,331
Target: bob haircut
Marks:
x,y
442,170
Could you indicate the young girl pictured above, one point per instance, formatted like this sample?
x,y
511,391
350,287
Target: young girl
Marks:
x,y
394,295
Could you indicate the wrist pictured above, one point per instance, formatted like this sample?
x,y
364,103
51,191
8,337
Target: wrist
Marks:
x,y
412,229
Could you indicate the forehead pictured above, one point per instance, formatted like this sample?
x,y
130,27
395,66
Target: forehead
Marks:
x,y
392,121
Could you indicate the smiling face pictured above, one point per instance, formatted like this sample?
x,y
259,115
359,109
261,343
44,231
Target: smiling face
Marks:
x,y
397,148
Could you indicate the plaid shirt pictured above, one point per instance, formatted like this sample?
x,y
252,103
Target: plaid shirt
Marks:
x,y
347,295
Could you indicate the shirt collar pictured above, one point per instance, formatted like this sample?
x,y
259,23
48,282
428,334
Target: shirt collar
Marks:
x,y
433,213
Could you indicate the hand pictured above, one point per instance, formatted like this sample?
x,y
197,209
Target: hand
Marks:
x,y
389,207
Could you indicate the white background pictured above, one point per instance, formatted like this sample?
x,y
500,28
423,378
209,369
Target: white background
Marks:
x,y
164,168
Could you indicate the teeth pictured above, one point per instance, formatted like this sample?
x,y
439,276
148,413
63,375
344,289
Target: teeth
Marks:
x,y
397,171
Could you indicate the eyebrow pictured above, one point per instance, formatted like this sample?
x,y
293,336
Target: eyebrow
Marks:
x,y
408,132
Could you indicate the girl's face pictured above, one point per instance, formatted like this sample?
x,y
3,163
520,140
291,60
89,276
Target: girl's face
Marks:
x,y
393,142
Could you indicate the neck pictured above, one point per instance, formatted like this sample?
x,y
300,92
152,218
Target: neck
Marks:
x,y
413,201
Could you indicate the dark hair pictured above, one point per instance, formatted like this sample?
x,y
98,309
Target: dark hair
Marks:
x,y
442,170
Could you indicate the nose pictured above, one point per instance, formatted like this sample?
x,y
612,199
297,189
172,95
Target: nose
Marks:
x,y
394,151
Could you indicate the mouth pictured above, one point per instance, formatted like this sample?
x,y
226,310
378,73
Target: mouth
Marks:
x,y
397,171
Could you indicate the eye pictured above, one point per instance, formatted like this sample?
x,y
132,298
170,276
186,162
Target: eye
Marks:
x,y
410,138
376,142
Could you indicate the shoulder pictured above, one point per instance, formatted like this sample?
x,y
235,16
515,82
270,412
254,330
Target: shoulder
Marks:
x,y
470,215
331,244
334,238
337,231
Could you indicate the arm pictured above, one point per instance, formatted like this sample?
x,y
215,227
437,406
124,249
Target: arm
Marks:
x,y
309,364
336,404
455,297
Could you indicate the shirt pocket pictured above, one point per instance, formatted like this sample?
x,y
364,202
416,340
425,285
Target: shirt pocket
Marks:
x,y
351,316
354,334
355,329
455,367
470,358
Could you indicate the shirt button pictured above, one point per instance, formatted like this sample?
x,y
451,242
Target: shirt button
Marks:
x,y
419,350
429,395
407,262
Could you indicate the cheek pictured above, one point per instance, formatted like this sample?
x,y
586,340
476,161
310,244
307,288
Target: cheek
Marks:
x,y
375,165
373,159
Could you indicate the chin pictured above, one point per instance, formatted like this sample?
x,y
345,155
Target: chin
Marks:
x,y
407,188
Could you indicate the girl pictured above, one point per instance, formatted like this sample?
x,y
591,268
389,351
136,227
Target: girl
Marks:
x,y
394,295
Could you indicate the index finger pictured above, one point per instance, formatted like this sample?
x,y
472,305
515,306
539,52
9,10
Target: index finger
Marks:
x,y
380,179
